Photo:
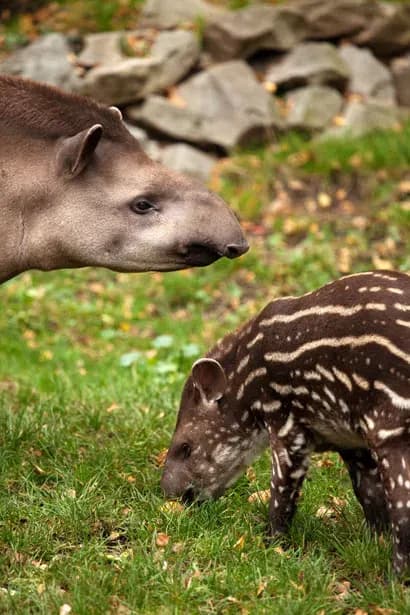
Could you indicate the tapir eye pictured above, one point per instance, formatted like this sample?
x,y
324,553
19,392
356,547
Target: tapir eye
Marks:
x,y
141,206
185,450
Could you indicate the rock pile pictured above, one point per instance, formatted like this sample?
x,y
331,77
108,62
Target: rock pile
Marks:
x,y
322,66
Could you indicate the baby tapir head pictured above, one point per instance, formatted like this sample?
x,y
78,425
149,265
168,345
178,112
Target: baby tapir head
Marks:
x,y
214,439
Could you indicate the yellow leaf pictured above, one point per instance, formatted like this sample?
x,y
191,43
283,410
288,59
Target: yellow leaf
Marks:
x,y
260,497
240,543
324,199
172,506
270,86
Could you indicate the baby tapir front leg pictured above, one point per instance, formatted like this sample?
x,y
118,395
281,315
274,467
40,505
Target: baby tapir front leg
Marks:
x,y
290,461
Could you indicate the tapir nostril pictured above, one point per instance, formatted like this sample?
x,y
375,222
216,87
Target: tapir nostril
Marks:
x,y
234,250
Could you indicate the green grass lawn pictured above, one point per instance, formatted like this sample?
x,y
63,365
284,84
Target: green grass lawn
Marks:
x,y
91,368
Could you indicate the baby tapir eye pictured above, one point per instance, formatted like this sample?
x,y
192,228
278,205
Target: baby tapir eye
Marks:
x,y
141,206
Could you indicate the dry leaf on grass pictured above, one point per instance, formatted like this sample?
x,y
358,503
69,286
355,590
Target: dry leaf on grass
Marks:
x,y
159,459
162,539
172,506
240,543
259,497
342,590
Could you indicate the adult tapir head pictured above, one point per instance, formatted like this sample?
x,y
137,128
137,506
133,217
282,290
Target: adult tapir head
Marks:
x,y
84,193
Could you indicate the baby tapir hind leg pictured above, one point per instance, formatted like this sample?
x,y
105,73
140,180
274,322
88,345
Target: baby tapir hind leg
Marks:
x,y
290,461
394,466
368,486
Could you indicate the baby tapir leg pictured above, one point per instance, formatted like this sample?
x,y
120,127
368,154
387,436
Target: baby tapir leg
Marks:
x,y
394,465
290,461
368,486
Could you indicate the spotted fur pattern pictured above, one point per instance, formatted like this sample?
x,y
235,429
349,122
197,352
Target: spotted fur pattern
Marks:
x,y
326,371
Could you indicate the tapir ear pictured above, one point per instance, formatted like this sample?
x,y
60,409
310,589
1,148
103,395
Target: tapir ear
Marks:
x,y
209,378
74,153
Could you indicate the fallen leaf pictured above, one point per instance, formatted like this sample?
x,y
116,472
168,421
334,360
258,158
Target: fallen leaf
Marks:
x,y
162,539
324,199
160,458
259,497
112,407
270,86
240,543
65,609
41,588
172,506
175,98
342,590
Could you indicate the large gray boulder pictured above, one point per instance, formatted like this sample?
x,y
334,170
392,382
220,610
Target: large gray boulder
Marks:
x,y
223,106
240,33
101,49
387,33
310,64
129,79
166,14
188,160
312,107
368,76
361,118
46,60
328,19
401,75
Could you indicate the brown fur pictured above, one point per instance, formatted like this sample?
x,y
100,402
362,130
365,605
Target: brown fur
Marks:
x,y
47,112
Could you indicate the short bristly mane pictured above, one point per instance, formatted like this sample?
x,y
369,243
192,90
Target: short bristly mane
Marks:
x,y
45,111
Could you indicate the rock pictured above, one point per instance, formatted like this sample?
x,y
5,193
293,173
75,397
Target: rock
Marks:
x,y
188,160
100,49
387,33
368,76
240,33
46,60
164,14
310,64
223,106
330,20
361,118
312,107
126,80
401,75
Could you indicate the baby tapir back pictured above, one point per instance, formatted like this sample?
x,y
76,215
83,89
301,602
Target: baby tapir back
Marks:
x,y
326,371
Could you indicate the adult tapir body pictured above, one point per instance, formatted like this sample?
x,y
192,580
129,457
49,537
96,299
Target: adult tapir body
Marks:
x,y
77,190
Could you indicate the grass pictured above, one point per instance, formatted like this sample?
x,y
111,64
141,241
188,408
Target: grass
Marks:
x,y
92,367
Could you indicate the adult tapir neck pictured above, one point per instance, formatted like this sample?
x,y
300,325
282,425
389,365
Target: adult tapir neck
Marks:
x,y
23,183
77,190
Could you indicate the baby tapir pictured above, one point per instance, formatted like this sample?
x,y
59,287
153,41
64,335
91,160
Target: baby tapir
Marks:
x,y
326,371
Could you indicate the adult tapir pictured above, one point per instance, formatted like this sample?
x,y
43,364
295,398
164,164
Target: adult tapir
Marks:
x,y
77,190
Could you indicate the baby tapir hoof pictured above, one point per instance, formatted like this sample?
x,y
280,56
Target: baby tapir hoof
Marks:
x,y
326,371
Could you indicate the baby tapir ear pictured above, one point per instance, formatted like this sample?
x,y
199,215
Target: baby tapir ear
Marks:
x,y
209,378
74,153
